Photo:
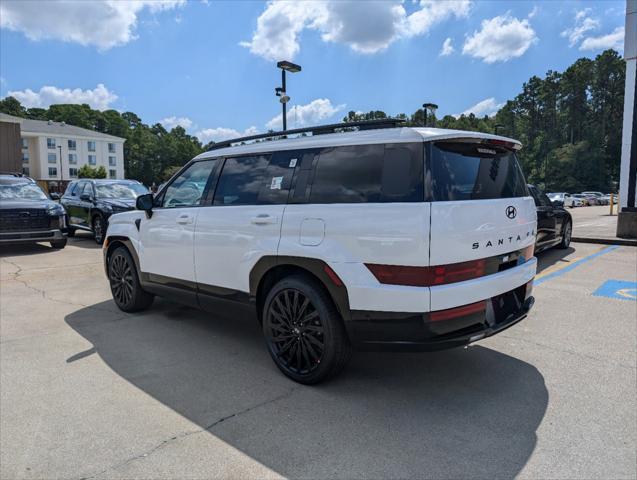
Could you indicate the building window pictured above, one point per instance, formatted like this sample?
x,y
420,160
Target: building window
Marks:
x,y
92,160
72,144
73,172
25,171
112,161
53,172
112,174
91,146
52,158
50,143
25,144
73,158
111,148
25,157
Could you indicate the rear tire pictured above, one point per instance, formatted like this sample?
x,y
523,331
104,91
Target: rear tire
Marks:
x,y
567,232
59,244
99,229
125,287
304,332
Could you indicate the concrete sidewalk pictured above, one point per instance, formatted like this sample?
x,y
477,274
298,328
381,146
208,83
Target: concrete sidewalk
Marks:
x,y
596,225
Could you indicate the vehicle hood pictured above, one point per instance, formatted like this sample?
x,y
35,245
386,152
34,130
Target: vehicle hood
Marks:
x,y
118,203
26,204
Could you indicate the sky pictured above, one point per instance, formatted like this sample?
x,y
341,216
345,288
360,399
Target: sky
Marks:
x,y
210,66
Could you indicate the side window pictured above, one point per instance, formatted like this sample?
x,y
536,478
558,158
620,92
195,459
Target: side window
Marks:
x,y
536,196
544,200
88,189
188,188
242,179
70,190
369,173
278,177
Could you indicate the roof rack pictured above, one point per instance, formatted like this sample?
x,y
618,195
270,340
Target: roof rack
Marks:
x,y
317,130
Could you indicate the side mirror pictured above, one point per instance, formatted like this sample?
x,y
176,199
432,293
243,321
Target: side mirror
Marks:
x,y
85,197
54,196
145,202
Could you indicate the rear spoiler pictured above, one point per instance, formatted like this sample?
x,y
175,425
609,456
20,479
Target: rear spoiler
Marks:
x,y
495,142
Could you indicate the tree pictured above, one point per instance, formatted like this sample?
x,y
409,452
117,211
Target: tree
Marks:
x,y
86,171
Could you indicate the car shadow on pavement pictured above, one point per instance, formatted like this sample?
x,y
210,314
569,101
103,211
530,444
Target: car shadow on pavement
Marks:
x,y
455,414
21,249
550,257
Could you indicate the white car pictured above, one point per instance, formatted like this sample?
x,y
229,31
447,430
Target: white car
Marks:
x,y
601,198
385,238
565,200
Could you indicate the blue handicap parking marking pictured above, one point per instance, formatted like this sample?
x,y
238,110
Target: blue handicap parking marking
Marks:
x,y
617,289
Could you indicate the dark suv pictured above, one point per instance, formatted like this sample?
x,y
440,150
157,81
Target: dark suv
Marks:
x,y
27,215
89,203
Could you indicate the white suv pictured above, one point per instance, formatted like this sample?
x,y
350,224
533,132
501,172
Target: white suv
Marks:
x,y
382,239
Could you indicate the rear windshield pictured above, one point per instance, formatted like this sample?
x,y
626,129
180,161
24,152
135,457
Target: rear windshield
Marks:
x,y
470,171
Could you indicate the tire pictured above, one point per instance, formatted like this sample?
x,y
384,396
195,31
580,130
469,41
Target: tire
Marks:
x,y
125,287
99,229
567,232
70,232
59,244
307,347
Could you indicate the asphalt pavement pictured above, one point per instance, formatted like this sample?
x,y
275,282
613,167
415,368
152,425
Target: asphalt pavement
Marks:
x,y
90,392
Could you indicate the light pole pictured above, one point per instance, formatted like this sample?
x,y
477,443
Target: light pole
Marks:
x,y
432,107
285,66
61,168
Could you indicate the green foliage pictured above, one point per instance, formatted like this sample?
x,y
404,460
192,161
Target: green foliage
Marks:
x,y
570,124
86,171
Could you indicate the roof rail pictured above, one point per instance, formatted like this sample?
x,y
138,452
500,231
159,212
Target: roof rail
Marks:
x,y
317,130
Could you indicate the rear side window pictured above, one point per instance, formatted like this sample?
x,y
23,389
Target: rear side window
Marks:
x,y
369,173
70,190
469,171
241,180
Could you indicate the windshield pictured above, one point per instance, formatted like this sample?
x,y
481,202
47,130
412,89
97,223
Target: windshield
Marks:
x,y
123,191
21,191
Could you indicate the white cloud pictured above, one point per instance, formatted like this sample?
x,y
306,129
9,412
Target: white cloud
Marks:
x,y
100,98
447,48
102,23
310,114
583,23
221,133
366,27
533,12
615,40
171,122
500,39
488,106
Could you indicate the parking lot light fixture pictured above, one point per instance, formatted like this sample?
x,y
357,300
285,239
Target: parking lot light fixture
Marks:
x,y
285,66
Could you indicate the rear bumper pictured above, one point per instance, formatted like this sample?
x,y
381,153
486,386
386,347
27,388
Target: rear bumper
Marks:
x,y
32,236
383,331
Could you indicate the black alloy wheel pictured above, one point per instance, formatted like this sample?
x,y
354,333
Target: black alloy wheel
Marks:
x,y
304,332
125,288
99,229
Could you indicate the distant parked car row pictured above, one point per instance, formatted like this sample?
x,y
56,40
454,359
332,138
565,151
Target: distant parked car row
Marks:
x,y
27,215
583,199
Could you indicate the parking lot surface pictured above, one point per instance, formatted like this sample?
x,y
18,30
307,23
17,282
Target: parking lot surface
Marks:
x,y
90,392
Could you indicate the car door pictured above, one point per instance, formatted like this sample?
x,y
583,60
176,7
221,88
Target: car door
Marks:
x,y
166,237
545,217
70,199
242,224
86,200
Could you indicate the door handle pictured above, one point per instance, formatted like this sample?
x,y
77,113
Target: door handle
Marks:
x,y
263,219
184,219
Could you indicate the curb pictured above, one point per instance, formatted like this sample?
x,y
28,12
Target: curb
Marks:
x,y
626,242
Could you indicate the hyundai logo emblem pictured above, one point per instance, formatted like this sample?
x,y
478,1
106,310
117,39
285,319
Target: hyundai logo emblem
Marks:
x,y
511,211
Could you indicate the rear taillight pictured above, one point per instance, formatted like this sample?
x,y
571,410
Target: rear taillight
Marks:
x,y
457,312
427,276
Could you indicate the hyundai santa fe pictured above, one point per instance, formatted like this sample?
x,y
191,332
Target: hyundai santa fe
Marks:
x,y
385,238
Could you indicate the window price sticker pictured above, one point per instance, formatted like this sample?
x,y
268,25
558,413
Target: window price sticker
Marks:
x,y
276,183
293,163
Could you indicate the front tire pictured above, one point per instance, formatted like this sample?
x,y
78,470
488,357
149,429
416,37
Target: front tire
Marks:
x,y
125,287
567,232
58,244
304,332
99,229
